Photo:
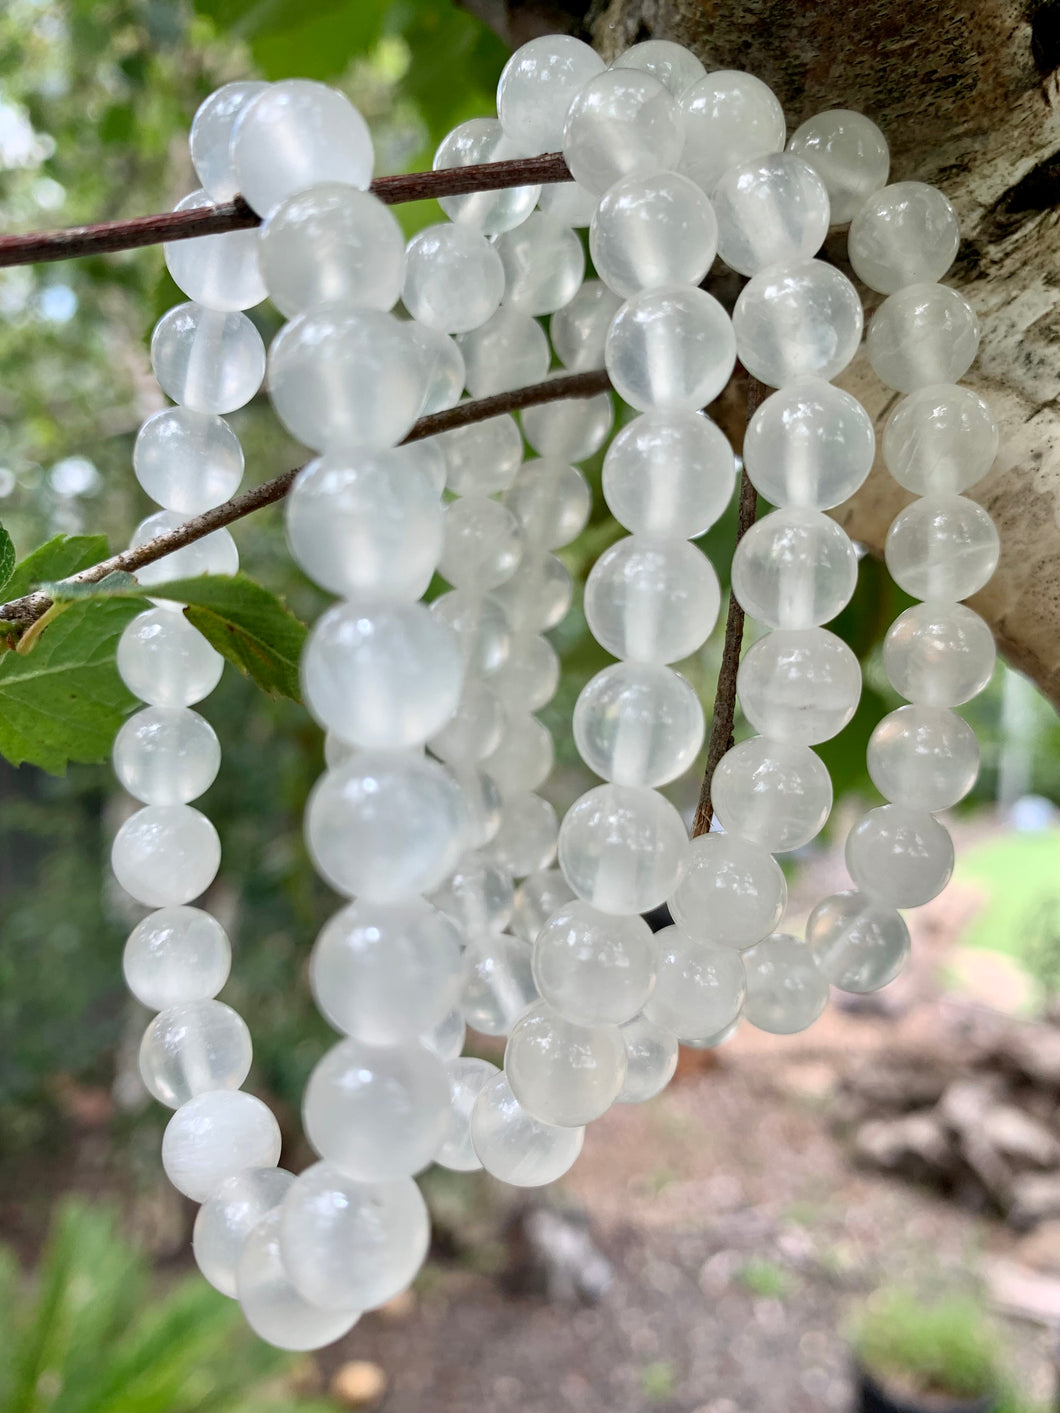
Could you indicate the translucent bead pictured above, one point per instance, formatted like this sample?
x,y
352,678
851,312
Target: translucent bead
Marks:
x,y
215,553
942,547
924,757
207,360
699,986
622,848
217,271
906,234
537,595
669,474
651,1059
543,264
850,155
579,330
377,1112
365,524
483,457
770,211
225,1220
941,439
900,857
858,945
454,278
192,1049
332,242
176,955
424,454
483,805
444,381
341,376
651,231
568,202
477,896
638,724
799,685
166,755
498,982
166,662
530,676
652,600
672,64
271,1306
210,139
187,461
594,968
475,728
939,654
510,350
471,144
526,840
562,1073
622,123
795,568
513,1146
385,826
480,625
481,545
446,1039
166,854
775,793
786,992
524,757
731,892
809,444
671,348
349,1245
536,899
383,677
573,428
797,321
536,87
467,1078
385,974
214,1136
295,135
711,1042
728,117
923,334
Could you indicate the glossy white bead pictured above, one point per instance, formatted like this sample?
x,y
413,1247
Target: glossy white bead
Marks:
x,y
775,793
475,728
480,625
622,123
652,600
651,231
444,375
510,350
562,1073
176,955
770,211
225,1220
899,856
799,685
166,854
579,330
498,982
523,759
217,271
483,457
215,553
923,334
699,987
809,444
672,64
671,348
481,544
187,461
271,1306
166,755
478,895
194,1048
467,1078
471,144
446,1039
483,805
858,945
669,474
794,568
568,202
573,428
939,654
732,891
594,968
622,848
536,899
850,155
941,439
651,1059
551,501
802,320
942,547
210,139
513,1146
543,264
207,360
166,662
638,724
728,117
214,1136
537,595
906,234
786,992
526,840
454,278
536,87
924,757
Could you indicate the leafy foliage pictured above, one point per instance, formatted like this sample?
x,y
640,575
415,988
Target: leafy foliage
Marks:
x,y
7,556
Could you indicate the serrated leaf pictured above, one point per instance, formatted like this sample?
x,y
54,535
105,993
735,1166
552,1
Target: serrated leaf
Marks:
x,y
7,557
57,558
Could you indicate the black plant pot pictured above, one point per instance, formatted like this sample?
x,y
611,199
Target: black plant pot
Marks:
x,y
873,1397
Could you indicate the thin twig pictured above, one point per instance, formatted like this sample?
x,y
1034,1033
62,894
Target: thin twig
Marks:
x,y
721,726
28,609
237,216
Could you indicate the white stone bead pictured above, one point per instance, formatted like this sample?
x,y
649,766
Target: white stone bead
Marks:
x,y
573,428
622,123
771,211
652,600
454,278
543,264
528,679
568,202
622,848
638,724
510,350
579,330
536,899
482,457
166,854
214,1136
858,945
906,234
562,1073
794,568
799,685
194,1048
669,474
295,135
699,988
651,231
166,755
471,144
478,895
498,982
467,1078
536,87
776,793
206,359
447,1037
217,271
481,544
672,64
330,243
513,1146
671,348
942,547
923,757
526,840
923,334
732,892
225,1220
481,628
210,140
797,321
215,553
900,857
594,968
176,955
166,662
187,461
483,805
271,1306
551,501
651,1059
444,382
939,654
786,992
728,117
809,444
475,728
538,594
940,440
850,155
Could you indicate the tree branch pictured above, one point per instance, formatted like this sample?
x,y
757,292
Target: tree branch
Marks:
x,y
27,610
237,216
721,725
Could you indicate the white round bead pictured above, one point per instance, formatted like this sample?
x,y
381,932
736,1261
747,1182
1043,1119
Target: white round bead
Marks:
x,y
166,662
731,891
475,728
579,330
797,321
510,350
800,685
166,854
225,1220
651,231
498,982
483,805
923,334
594,968
481,628
622,123
187,461
513,1146
573,428
924,757
526,840
543,264
528,679
444,382
176,955
652,600
481,544
672,64
939,654
795,568
207,360
537,595
562,1073
942,547
622,848
194,1048
770,211
271,1306
447,1037
671,348
551,501
568,202
651,1059
809,444
850,155
454,278
786,992
858,945
524,757
638,724
906,234
467,1078
536,87
478,896
217,271
471,144
669,474
536,899
210,140
728,117
941,439
214,1136
215,553
482,457
166,755
899,856
776,793
699,988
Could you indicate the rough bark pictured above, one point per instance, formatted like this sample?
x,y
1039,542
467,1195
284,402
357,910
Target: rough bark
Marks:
x,y
967,95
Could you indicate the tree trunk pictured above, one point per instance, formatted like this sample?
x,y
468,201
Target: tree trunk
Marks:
x,y
967,97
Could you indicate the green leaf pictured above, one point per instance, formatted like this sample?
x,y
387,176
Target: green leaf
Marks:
x,y
56,559
320,41
7,557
